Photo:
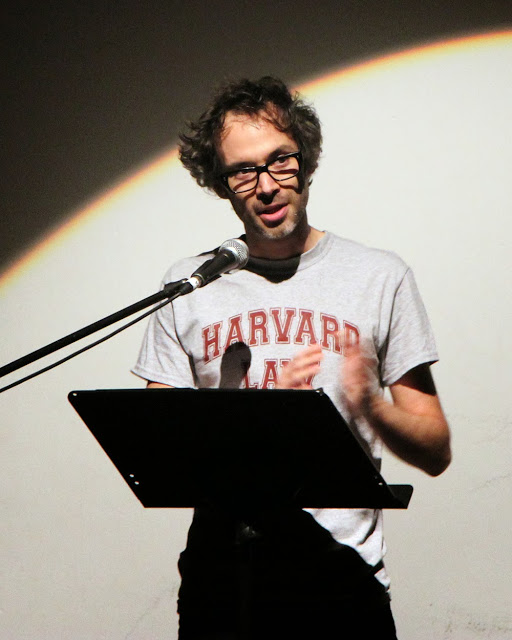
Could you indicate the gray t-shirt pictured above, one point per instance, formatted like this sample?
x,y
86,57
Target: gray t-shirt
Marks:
x,y
239,330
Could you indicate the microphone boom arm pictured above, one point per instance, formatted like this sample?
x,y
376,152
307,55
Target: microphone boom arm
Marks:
x,y
231,256
171,290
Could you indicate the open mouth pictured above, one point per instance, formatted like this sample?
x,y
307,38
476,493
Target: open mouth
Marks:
x,y
272,215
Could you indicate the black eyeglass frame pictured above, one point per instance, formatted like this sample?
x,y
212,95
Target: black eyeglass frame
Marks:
x,y
262,169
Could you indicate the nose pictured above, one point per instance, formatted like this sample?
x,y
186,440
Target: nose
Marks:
x,y
266,184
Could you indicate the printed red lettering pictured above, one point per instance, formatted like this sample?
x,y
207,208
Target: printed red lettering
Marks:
x,y
305,328
282,329
331,338
246,383
234,331
269,374
258,328
351,333
211,336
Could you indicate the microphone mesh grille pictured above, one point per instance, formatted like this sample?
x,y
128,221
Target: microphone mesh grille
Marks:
x,y
239,249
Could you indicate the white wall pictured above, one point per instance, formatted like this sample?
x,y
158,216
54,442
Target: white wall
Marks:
x,y
417,159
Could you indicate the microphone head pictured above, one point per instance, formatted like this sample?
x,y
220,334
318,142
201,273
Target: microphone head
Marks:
x,y
231,256
239,250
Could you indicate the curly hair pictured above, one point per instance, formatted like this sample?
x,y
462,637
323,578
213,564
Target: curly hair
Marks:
x,y
287,112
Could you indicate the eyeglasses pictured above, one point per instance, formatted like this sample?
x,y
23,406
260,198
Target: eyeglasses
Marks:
x,y
246,178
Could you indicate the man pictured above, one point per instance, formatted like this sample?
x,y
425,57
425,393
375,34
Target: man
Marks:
x,y
310,310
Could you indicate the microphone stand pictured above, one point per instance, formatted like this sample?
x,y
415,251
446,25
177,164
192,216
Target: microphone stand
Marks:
x,y
172,290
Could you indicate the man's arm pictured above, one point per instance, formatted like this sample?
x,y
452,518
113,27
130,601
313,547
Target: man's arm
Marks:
x,y
413,426
158,385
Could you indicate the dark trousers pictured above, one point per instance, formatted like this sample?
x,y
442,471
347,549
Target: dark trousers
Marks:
x,y
276,575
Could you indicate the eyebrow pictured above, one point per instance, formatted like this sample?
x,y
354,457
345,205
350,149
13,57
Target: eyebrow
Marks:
x,y
280,151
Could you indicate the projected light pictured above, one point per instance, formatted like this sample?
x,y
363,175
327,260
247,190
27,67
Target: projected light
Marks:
x,y
417,159
415,92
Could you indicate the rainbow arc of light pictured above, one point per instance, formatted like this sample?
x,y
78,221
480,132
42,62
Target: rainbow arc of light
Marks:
x,y
100,205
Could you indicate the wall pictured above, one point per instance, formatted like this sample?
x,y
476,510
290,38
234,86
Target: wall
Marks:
x,y
416,160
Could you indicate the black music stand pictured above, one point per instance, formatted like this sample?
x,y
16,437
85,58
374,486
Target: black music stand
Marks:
x,y
248,452
237,449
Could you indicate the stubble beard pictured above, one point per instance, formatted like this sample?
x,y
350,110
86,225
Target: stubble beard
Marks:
x,y
296,224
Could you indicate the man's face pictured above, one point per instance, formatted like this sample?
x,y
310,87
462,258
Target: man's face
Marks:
x,y
272,211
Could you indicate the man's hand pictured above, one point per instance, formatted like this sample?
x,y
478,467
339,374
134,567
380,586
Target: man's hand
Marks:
x,y
413,426
300,371
358,383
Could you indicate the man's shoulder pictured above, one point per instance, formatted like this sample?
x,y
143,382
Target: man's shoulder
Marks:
x,y
357,253
184,267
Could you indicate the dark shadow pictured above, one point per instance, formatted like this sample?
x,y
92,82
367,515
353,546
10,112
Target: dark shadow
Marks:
x,y
420,378
234,366
274,270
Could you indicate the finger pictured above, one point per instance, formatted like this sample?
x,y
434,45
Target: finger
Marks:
x,y
310,356
361,346
310,351
298,373
293,377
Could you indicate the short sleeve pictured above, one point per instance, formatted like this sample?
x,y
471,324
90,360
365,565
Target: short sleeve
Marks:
x,y
162,358
410,340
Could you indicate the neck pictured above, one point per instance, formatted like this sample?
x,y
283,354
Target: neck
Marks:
x,y
281,248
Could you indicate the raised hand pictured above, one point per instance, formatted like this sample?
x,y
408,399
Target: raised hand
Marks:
x,y
300,371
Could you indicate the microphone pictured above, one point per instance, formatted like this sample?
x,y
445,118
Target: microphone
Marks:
x,y
231,256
